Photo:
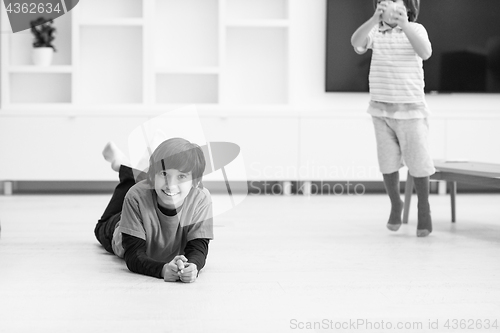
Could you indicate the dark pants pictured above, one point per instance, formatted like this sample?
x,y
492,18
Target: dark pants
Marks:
x,y
106,225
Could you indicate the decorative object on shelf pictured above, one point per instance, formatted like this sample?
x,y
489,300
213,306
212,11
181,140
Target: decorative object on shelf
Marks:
x,y
44,36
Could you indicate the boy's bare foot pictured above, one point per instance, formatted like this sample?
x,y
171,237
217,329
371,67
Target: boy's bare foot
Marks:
x,y
115,156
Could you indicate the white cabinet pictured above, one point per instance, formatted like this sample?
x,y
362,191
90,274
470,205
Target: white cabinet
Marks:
x,y
269,143
55,148
473,139
337,148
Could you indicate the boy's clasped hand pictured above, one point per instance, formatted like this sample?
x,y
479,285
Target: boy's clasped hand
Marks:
x,y
180,269
391,13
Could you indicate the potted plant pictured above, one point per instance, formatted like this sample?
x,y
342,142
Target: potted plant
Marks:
x,y
44,34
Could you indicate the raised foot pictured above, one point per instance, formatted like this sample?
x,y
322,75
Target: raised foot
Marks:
x,y
114,155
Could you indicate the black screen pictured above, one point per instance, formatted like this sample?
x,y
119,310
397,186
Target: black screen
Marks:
x,y
465,37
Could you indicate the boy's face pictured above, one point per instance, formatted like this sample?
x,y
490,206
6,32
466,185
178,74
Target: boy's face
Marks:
x,y
172,187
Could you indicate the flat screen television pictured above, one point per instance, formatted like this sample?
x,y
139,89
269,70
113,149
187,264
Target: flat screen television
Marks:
x,y
465,37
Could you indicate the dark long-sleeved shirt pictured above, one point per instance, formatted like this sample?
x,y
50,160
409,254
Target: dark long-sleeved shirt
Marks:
x,y
137,260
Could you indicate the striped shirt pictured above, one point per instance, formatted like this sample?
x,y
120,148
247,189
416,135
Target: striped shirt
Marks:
x,y
396,71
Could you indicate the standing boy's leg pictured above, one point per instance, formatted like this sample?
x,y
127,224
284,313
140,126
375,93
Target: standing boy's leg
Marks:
x,y
391,182
424,227
413,137
390,161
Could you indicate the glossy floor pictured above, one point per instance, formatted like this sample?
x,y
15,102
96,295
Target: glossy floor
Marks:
x,y
278,264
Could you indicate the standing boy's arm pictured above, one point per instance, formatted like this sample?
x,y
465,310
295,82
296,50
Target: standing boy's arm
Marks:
x,y
422,46
419,41
359,38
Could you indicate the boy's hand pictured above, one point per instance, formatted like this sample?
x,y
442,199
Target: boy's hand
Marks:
x,y
170,271
401,16
188,273
381,8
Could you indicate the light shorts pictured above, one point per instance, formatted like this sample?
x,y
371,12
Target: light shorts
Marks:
x,y
403,141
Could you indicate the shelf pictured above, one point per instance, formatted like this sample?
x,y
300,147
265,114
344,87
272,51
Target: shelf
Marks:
x,y
113,22
40,69
258,23
188,70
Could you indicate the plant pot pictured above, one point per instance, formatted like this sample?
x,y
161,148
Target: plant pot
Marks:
x,y
42,56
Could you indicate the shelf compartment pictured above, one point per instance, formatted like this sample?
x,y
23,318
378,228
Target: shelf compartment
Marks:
x,y
256,9
186,88
186,33
111,71
29,88
256,66
21,44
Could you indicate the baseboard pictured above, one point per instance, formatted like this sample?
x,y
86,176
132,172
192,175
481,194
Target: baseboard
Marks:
x,y
252,187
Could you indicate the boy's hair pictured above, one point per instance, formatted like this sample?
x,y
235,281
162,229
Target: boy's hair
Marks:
x,y
179,154
412,6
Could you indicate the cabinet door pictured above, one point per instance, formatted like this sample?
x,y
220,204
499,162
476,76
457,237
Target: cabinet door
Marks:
x,y
473,140
61,148
268,145
338,149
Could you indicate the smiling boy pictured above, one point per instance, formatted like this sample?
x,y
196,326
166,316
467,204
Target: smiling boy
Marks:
x,y
160,225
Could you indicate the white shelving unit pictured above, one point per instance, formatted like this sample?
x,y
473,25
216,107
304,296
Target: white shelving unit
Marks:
x,y
155,52
121,62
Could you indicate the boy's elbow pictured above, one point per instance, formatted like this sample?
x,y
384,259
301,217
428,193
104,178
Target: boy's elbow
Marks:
x,y
427,52
354,42
427,55
358,47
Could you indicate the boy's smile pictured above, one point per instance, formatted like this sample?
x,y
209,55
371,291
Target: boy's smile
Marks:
x,y
172,187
